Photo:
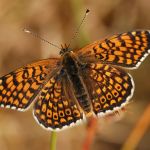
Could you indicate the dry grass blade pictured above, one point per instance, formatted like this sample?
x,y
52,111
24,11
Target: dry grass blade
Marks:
x,y
138,131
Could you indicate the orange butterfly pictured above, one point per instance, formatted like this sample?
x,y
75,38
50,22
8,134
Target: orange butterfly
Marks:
x,y
82,83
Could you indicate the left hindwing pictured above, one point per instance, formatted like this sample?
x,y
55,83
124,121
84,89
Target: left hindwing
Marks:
x,y
127,49
54,109
109,87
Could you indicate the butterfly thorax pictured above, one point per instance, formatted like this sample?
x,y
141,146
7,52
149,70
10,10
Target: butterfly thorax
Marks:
x,y
64,49
72,68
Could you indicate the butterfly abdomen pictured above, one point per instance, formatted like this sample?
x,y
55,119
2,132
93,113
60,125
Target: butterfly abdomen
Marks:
x,y
72,69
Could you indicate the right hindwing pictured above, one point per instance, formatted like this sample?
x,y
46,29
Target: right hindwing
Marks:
x,y
54,108
109,87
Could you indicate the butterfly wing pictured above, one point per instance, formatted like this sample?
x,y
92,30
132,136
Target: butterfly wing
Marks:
x,y
19,88
53,109
109,87
127,49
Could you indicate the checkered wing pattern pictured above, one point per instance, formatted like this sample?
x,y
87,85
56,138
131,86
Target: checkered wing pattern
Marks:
x,y
20,87
53,109
126,49
110,87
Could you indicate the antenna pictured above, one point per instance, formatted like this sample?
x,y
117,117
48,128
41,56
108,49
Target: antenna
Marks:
x,y
78,28
37,36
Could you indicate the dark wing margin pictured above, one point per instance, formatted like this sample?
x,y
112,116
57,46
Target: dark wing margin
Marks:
x,y
127,49
20,87
53,110
110,88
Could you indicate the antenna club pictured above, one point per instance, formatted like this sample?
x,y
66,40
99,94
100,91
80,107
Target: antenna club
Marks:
x,y
87,11
26,30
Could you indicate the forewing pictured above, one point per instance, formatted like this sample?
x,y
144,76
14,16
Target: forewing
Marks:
x,y
20,87
127,49
110,88
53,110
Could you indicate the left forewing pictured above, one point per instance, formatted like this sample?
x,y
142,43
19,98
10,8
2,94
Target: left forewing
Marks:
x,y
20,87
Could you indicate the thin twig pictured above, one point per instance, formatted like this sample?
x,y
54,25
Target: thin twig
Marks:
x,y
91,130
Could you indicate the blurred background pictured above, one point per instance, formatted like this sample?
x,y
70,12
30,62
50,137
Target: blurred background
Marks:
x,y
56,21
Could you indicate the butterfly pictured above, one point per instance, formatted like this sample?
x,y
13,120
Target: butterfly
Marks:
x,y
81,83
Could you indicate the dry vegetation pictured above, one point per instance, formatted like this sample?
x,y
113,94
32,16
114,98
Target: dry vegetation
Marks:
x,y
56,21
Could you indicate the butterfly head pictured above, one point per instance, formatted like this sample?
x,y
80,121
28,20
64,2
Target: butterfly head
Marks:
x,y
64,49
